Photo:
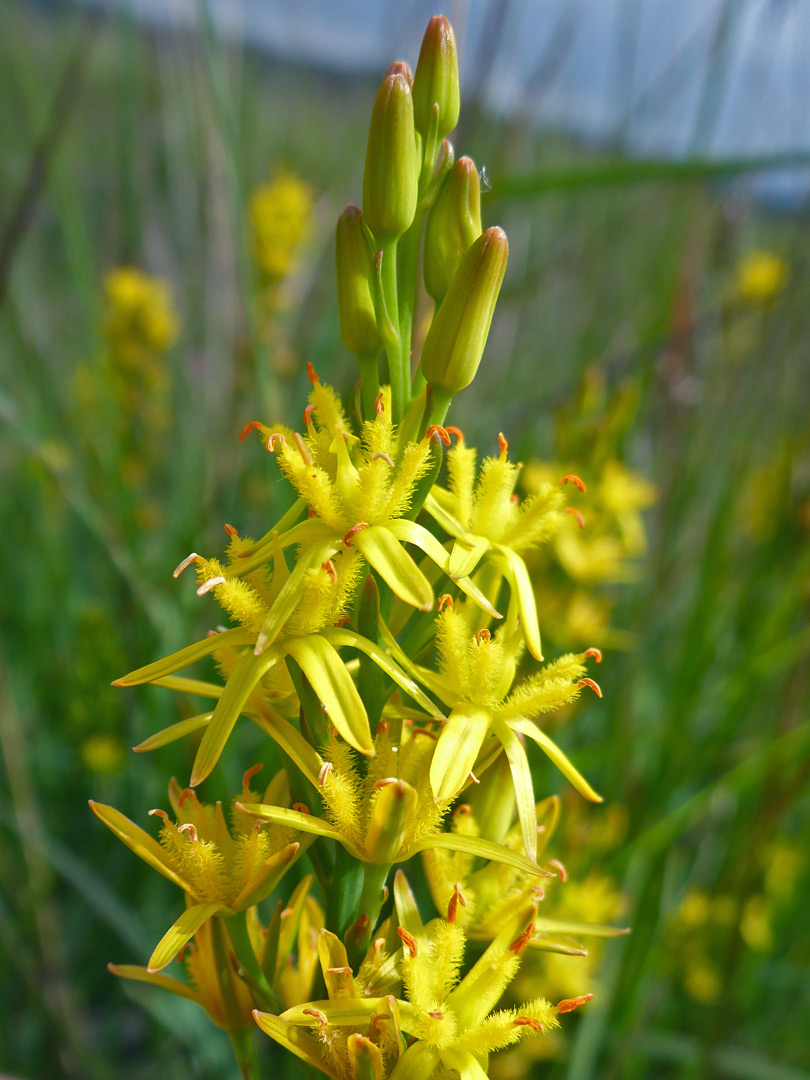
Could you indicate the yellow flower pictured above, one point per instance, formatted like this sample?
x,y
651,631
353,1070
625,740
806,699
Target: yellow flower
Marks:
x,y
760,277
280,214
140,315
103,754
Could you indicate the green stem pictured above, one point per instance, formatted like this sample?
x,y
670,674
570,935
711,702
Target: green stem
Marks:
x,y
236,925
232,1013
372,898
370,382
244,1049
398,364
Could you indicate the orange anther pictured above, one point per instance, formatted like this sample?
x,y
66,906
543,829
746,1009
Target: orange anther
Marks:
x,y
456,899
161,814
558,866
383,727
329,567
249,774
345,970
190,828
575,480
344,620
569,1004
210,584
379,406
302,808
308,411
503,445
445,600
378,945
383,457
353,531
230,530
514,498
325,769
275,440
319,1016
312,375
595,653
189,559
474,779
425,732
520,942
459,434
246,430
186,793
302,448
577,515
408,940
436,1014
528,1021
437,429
593,685
462,810
483,635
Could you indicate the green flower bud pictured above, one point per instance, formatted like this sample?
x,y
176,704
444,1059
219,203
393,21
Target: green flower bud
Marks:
x,y
358,323
391,813
401,67
391,174
455,342
453,225
436,78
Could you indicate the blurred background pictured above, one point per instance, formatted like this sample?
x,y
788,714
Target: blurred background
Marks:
x,y
170,176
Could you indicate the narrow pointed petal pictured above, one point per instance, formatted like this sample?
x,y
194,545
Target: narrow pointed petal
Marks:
x,y
548,813
406,906
293,743
243,680
294,819
550,748
185,657
485,849
332,683
182,932
392,562
414,533
522,782
584,929
465,1064
417,1063
173,732
340,637
166,982
346,1011
466,554
514,568
198,687
309,531
441,514
262,883
144,846
290,594
457,749
365,1058
435,683
295,1039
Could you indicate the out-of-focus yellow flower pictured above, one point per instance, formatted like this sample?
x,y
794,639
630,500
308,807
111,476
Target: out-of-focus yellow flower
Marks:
x,y
103,754
140,315
760,277
280,214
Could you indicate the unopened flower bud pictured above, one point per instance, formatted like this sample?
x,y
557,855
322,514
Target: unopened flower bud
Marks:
x,y
365,1058
390,815
436,78
391,176
401,67
455,342
453,225
358,323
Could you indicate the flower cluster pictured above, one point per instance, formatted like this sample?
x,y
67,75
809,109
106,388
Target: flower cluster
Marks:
x,y
384,634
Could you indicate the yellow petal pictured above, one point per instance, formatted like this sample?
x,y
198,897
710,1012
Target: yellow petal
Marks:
x,y
265,879
573,775
144,846
485,849
290,594
392,562
182,932
142,974
294,1039
457,749
245,676
173,732
352,1011
522,782
466,554
294,819
184,657
333,685
293,743
514,569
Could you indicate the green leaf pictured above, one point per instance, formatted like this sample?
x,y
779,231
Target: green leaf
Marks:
x,y
182,932
144,846
186,656
392,562
572,774
243,680
330,680
173,732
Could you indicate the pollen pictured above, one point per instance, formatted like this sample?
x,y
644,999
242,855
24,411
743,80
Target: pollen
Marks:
x,y
574,479
252,426
593,685
408,940
575,513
